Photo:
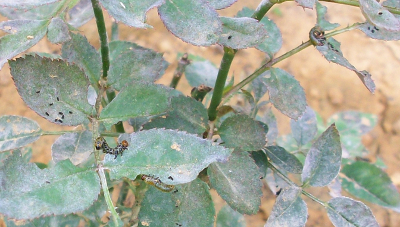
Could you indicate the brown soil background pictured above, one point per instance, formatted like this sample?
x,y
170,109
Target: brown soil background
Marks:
x,y
329,87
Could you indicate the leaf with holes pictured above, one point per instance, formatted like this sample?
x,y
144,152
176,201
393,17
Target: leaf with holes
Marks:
x,y
23,35
284,159
240,33
53,88
227,217
76,147
130,63
28,192
243,133
131,12
237,181
285,92
378,15
331,51
57,31
370,183
272,43
137,100
193,21
187,115
16,131
289,209
201,72
323,160
321,21
305,128
79,51
343,211
175,157
177,208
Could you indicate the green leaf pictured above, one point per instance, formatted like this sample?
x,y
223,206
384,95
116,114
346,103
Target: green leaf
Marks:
x,y
138,122
53,88
284,159
275,182
79,51
378,15
343,211
42,12
24,34
81,13
352,125
378,33
272,43
221,4
331,51
306,3
178,209
285,92
368,182
305,128
131,12
137,100
59,220
321,21
201,72
27,192
227,217
243,133
240,33
323,160
261,161
269,119
175,157
16,131
289,209
237,181
98,209
188,115
193,21
76,147
288,142
131,63
57,31
25,4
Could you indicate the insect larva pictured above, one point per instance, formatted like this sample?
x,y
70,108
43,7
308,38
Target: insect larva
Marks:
x,y
101,143
156,182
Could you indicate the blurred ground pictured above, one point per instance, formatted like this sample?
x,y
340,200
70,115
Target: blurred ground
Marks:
x,y
329,88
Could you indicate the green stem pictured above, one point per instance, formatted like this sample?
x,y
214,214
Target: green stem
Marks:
x,y
262,9
274,61
356,3
107,196
291,183
226,61
46,133
101,28
182,63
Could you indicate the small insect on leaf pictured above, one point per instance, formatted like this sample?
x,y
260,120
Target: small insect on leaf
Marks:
x,y
156,182
101,143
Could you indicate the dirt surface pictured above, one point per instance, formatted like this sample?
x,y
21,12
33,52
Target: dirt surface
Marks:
x,y
329,87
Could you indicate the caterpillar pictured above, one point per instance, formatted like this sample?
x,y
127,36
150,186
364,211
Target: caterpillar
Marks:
x,y
101,143
156,182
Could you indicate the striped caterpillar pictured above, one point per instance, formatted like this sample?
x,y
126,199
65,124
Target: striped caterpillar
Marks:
x,y
101,143
156,182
